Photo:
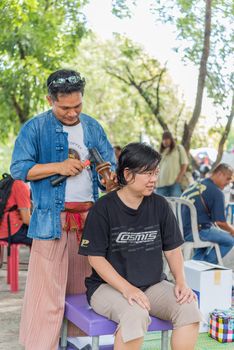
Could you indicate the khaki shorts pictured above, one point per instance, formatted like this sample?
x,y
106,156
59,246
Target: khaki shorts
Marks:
x,y
133,319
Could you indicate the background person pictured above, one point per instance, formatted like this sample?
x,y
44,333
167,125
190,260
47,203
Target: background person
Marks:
x,y
172,166
117,150
40,154
133,226
208,198
19,217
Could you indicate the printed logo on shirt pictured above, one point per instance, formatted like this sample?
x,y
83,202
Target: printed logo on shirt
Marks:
x,y
193,191
84,243
73,154
136,237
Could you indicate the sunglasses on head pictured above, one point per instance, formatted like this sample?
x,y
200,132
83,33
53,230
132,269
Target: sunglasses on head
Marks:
x,y
73,79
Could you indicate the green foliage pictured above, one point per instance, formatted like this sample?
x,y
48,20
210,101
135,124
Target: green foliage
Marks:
x,y
194,32
37,37
5,154
118,106
107,99
188,18
230,142
122,9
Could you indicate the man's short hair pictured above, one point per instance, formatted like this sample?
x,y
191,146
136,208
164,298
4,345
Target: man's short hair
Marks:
x,y
65,81
223,168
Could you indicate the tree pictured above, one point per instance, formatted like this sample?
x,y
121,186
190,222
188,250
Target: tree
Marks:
x,y
225,134
116,71
204,30
144,88
190,126
36,37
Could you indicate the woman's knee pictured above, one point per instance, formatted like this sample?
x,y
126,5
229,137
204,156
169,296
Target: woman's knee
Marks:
x,y
186,314
135,314
134,322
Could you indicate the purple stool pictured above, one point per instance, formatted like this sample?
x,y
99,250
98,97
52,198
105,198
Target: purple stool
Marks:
x,y
78,311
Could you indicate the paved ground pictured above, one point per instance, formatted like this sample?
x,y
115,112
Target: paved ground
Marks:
x,y
10,303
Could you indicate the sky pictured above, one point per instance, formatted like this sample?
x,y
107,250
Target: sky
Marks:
x,y
157,39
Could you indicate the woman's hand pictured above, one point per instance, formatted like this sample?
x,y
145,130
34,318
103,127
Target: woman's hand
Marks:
x,y
135,294
184,294
113,177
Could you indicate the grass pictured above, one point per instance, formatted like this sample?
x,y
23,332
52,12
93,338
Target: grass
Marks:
x,y
152,342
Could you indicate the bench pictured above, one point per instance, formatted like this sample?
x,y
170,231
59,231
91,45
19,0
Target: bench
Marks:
x,y
12,265
78,311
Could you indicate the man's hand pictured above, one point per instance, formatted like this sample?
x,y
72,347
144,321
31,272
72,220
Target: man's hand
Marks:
x,y
184,294
70,167
135,294
224,225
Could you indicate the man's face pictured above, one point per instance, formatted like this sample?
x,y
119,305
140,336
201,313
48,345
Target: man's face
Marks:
x,y
224,179
67,108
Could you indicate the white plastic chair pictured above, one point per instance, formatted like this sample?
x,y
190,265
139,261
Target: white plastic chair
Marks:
x,y
176,205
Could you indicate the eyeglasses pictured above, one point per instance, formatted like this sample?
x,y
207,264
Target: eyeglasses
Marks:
x,y
151,173
73,79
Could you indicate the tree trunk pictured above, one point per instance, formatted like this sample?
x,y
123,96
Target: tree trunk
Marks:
x,y
224,135
19,111
189,128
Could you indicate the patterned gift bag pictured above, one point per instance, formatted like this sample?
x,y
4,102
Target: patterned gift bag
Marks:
x,y
221,325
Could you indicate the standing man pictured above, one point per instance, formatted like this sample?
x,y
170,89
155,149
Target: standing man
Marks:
x,y
208,199
41,154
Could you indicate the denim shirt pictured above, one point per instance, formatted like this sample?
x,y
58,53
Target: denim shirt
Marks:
x,y
40,141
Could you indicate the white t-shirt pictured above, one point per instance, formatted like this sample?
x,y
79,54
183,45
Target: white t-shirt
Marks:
x,y
79,188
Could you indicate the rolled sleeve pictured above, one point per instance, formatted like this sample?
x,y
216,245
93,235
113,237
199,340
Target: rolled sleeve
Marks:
x,y
19,170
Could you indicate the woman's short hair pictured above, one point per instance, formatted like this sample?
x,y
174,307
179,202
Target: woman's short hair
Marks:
x,y
137,158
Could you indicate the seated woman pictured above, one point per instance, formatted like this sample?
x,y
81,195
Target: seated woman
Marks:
x,y
125,234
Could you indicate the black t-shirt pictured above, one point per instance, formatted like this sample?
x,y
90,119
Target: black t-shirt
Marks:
x,y
131,240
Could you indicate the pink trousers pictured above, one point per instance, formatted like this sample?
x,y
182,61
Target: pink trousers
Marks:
x,y
55,269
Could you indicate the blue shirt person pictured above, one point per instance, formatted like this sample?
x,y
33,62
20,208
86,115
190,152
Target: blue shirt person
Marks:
x,y
40,155
208,198
43,142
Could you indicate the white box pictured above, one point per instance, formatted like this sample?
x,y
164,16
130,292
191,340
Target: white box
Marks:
x,y
212,284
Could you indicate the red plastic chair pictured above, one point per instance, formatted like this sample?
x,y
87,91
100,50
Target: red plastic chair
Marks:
x,y
12,265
